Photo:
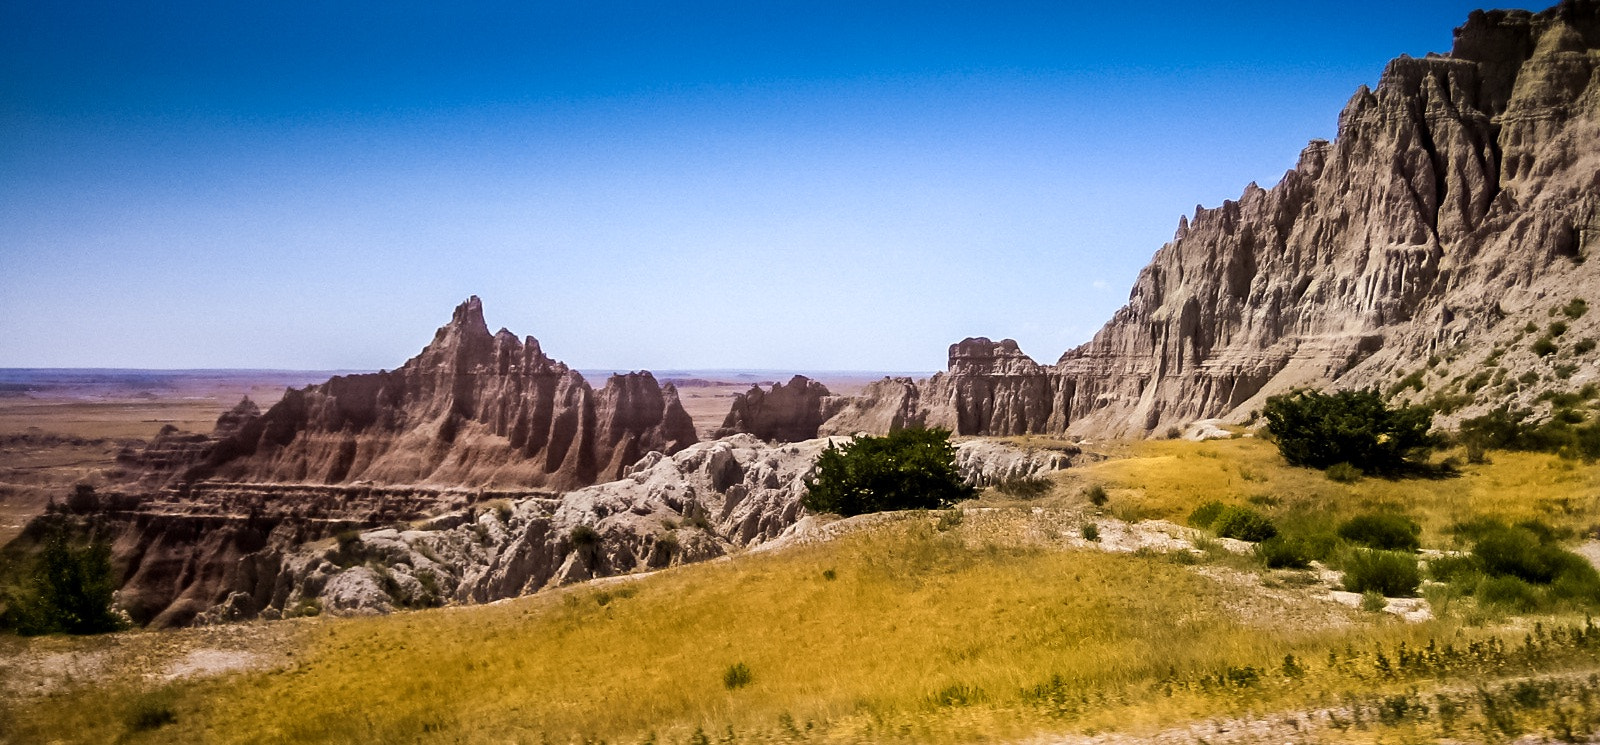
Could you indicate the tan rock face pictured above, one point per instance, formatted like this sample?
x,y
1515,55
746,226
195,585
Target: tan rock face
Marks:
x,y
473,408
787,413
1457,205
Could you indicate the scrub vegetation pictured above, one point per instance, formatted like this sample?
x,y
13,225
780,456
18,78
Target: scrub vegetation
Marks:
x,y
929,628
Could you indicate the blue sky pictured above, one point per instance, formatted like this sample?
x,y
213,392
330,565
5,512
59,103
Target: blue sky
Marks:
x,y
802,186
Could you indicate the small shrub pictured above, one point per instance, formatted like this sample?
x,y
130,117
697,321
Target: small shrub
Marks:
x,y
1450,569
151,711
1090,532
584,537
736,676
1025,488
1583,346
1522,553
1174,433
829,575
950,520
1343,473
1544,346
1386,531
1206,514
1279,552
697,521
1576,308
1392,573
909,469
1373,601
1096,494
1358,427
1557,328
1507,592
1244,524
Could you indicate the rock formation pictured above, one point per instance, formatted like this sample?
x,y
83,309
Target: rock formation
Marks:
x,y
212,551
473,408
1451,217
784,414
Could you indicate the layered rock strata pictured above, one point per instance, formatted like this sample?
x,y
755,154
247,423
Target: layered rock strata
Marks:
x,y
213,551
472,409
1452,215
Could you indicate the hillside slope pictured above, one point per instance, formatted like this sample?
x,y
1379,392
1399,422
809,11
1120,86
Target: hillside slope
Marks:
x,y
1451,218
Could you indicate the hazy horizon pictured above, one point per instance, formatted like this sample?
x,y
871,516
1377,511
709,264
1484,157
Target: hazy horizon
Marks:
x,y
689,187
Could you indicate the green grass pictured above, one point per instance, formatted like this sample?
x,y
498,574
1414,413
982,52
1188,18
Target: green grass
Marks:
x,y
924,629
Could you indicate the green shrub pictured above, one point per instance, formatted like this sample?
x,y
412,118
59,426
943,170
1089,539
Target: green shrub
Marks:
x,y
1584,346
1373,601
1343,473
736,676
1384,530
1025,488
1206,514
1522,553
584,536
1507,592
1504,428
1090,532
1576,308
1356,427
1392,573
1557,328
1453,569
69,589
1243,524
908,469
1096,494
1544,346
1279,552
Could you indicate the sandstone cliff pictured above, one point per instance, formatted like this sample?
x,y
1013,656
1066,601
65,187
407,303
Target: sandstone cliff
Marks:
x,y
473,409
1445,229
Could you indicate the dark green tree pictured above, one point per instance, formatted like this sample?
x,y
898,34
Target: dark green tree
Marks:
x,y
69,590
908,469
1355,426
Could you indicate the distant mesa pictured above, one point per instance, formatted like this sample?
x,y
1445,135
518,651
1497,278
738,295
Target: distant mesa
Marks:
x,y
474,408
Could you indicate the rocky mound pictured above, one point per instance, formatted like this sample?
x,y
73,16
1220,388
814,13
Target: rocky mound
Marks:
x,y
472,409
1448,227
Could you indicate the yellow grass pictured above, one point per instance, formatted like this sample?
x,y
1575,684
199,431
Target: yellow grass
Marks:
x,y
921,636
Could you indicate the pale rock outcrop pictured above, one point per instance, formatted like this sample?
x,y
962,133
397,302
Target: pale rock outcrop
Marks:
x,y
701,503
1458,205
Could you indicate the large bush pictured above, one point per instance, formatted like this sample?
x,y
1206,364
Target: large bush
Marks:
x,y
68,590
1356,427
908,469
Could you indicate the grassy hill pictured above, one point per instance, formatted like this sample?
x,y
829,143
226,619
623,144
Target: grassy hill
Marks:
x,y
1000,624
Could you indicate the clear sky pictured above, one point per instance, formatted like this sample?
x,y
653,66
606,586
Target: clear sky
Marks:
x,y
782,185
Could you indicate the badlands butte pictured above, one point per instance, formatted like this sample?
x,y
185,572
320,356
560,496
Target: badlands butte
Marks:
x,y
1422,251
1440,249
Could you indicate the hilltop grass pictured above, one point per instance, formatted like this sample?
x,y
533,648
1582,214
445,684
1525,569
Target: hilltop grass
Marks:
x,y
1168,479
910,631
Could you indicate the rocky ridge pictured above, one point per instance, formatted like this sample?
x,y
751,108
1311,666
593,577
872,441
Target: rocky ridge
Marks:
x,y
1446,228
472,409
240,551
